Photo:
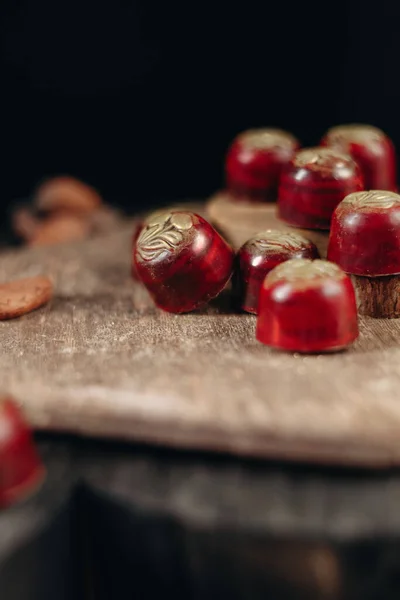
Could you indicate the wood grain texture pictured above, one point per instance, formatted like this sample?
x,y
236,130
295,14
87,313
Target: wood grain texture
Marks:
x,y
101,360
378,296
240,220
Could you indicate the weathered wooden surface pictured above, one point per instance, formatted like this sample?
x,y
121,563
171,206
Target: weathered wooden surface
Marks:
x,y
100,360
240,220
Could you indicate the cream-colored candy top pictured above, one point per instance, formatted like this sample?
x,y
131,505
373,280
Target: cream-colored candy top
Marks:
x,y
273,240
371,199
354,133
163,232
324,160
304,271
265,139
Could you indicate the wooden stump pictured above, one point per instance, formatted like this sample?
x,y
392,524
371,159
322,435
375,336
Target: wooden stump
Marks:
x,y
378,297
239,221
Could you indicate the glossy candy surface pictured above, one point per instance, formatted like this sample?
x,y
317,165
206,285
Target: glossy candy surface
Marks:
x,y
20,467
365,234
373,151
254,163
307,306
137,230
182,260
313,184
259,255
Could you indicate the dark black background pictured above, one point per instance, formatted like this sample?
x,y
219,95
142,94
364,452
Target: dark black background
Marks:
x,y
142,97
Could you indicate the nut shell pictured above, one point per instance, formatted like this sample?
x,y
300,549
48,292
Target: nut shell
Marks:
x,y
23,296
67,194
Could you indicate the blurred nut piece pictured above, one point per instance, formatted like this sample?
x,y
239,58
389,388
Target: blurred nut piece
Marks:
x,y
23,296
67,194
60,229
104,220
24,223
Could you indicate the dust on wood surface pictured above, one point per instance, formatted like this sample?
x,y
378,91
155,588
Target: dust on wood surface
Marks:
x,y
100,360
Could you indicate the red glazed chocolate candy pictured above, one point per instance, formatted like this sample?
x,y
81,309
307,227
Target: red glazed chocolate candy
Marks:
x,y
365,234
365,242
259,255
313,184
371,149
20,468
307,306
182,260
254,163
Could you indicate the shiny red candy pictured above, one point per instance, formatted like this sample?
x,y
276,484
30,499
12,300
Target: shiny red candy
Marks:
x,y
371,149
313,184
365,234
254,163
307,306
182,260
20,467
259,255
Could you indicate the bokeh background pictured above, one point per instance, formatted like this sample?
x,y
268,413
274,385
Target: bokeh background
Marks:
x,y
141,97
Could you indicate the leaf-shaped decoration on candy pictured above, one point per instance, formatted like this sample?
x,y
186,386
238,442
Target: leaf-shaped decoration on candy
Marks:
x,y
267,139
355,133
304,270
372,199
323,160
273,240
162,234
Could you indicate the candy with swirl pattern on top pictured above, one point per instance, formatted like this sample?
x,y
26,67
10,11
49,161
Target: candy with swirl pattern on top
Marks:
x,y
307,306
182,260
254,163
365,234
313,184
164,233
259,255
373,151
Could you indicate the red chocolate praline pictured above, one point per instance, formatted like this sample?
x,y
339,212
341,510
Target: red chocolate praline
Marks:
x,y
182,260
259,255
365,234
307,306
20,467
254,163
373,151
314,182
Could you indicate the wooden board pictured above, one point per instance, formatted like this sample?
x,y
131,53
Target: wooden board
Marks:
x,y
238,221
100,360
